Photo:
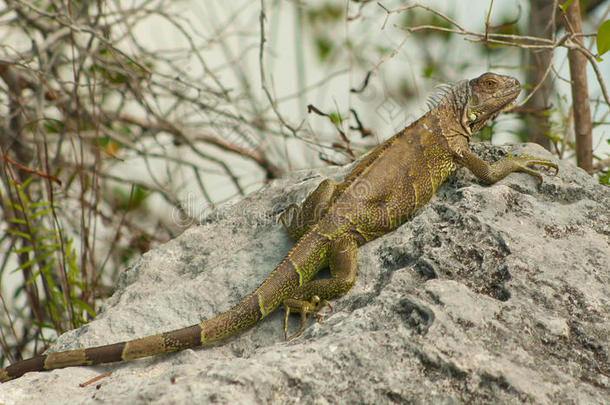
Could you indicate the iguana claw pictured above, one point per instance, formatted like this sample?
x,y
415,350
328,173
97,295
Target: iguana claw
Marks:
x,y
523,163
286,212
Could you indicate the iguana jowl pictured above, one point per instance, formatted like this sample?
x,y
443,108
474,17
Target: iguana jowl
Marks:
x,y
383,190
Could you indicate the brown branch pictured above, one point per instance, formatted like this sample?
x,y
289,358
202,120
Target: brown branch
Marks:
x,y
263,76
30,170
271,171
364,132
579,47
346,147
580,93
95,379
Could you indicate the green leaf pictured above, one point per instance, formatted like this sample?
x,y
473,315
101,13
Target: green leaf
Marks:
x,y
15,207
325,14
18,233
24,266
43,270
40,204
429,70
139,195
603,38
42,229
335,118
49,246
40,239
126,201
83,306
42,212
26,249
565,5
26,183
605,179
53,126
324,46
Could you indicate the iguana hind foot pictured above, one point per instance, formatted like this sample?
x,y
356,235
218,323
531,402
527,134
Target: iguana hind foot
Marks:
x,y
312,296
313,307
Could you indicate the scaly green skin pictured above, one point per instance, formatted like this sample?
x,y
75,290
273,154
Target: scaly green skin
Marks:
x,y
386,188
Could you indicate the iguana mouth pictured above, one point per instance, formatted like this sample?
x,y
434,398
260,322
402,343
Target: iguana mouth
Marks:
x,y
512,92
510,95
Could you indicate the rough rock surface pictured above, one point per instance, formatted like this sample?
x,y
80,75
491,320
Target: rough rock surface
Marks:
x,y
494,294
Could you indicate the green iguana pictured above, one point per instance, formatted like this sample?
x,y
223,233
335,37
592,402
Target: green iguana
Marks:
x,y
382,191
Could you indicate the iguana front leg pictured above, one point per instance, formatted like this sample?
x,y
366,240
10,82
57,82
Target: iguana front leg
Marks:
x,y
305,216
497,171
312,296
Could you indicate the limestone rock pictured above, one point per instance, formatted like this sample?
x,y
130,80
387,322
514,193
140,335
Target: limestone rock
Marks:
x,y
494,294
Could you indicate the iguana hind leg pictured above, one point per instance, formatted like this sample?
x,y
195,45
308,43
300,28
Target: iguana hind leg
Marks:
x,y
497,171
309,213
312,296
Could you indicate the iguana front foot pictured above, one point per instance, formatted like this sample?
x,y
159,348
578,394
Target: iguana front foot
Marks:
x,y
298,219
304,307
524,162
503,167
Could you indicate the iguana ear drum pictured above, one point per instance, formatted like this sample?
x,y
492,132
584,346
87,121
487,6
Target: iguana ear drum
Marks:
x,y
474,100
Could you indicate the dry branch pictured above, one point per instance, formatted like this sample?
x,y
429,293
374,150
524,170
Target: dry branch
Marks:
x,y
580,91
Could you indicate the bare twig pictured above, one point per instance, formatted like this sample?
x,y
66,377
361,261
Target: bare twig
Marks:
x,y
271,170
263,76
30,170
569,40
95,379
346,142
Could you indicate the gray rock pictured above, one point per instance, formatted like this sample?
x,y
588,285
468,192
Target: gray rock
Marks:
x,y
494,294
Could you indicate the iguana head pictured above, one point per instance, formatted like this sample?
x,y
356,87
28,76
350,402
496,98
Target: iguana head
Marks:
x,y
489,94
478,100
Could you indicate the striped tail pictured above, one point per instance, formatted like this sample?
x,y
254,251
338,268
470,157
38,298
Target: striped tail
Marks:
x,y
258,304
